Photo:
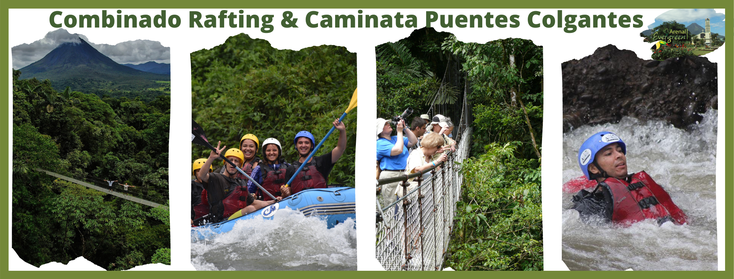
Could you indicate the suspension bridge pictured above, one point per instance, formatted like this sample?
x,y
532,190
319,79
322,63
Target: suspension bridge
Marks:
x,y
413,232
102,189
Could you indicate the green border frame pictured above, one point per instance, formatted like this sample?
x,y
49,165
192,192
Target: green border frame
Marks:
x,y
322,4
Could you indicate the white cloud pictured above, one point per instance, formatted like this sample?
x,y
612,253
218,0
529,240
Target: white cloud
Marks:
x,y
687,15
136,52
129,52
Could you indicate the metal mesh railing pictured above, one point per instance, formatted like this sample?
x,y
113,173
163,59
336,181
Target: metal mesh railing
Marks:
x,y
413,232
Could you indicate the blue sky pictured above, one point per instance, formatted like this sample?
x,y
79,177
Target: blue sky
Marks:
x,y
688,16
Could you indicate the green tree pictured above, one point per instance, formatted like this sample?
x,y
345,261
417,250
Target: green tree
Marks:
x,y
79,134
402,81
506,79
498,223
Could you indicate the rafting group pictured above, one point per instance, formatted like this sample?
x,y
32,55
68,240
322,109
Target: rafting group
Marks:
x,y
229,192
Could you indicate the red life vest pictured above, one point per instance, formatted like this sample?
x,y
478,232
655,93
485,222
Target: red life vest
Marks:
x,y
641,199
236,199
272,180
247,168
308,178
202,208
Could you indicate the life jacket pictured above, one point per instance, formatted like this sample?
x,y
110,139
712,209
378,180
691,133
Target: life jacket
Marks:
x,y
235,200
308,178
201,206
227,200
640,199
247,168
272,180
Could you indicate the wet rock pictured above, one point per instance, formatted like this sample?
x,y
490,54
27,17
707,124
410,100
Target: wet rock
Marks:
x,y
613,83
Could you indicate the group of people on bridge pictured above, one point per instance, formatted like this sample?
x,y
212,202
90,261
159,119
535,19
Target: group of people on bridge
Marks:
x,y
218,195
412,150
110,183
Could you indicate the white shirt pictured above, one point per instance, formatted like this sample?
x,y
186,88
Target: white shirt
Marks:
x,y
417,159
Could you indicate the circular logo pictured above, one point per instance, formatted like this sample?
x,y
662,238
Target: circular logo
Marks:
x,y
585,157
609,138
270,210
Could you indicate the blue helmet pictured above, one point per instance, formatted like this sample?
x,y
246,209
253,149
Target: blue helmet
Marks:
x,y
305,134
592,145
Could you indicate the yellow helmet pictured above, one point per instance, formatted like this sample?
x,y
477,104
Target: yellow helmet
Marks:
x,y
198,164
250,137
234,152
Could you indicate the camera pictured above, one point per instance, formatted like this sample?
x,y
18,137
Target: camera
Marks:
x,y
395,119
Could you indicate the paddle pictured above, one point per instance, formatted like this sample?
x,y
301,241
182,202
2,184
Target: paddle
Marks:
x,y
199,137
352,104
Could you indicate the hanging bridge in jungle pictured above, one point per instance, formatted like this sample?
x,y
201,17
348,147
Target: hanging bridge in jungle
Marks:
x,y
103,189
413,233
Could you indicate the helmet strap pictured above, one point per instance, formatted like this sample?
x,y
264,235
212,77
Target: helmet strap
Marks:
x,y
601,174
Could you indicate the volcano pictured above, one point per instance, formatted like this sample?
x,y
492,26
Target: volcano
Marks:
x,y
83,68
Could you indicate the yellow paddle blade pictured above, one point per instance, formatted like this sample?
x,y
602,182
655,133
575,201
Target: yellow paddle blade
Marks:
x,y
353,102
235,215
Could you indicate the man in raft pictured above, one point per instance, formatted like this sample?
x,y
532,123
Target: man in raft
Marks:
x,y
620,197
316,172
226,193
199,203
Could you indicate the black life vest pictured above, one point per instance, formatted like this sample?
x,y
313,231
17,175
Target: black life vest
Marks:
x,y
641,199
308,178
272,180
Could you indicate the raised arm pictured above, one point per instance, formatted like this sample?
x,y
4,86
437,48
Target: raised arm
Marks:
x,y
204,175
398,147
341,146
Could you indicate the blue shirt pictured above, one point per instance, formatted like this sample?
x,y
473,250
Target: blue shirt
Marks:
x,y
388,162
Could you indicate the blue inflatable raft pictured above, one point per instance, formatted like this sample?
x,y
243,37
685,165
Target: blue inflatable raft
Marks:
x,y
335,205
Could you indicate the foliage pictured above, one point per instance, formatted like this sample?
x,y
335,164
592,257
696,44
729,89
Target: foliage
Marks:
x,y
498,225
162,255
506,91
669,52
83,136
245,86
402,81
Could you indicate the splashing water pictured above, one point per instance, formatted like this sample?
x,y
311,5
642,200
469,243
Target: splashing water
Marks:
x,y
290,242
684,163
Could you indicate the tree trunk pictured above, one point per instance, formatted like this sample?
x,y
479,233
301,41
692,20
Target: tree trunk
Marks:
x,y
530,127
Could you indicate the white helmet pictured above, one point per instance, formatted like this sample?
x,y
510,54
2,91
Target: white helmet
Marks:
x,y
272,141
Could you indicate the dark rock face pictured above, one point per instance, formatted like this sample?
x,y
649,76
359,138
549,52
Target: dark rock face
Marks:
x,y
613,83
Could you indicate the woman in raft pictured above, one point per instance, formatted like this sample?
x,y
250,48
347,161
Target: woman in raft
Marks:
x,y
271,173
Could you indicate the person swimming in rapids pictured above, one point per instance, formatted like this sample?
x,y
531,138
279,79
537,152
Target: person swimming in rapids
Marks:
x,y
619,197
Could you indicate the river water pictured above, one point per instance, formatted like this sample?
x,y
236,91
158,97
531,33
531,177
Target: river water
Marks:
x,y
291,242
684,163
